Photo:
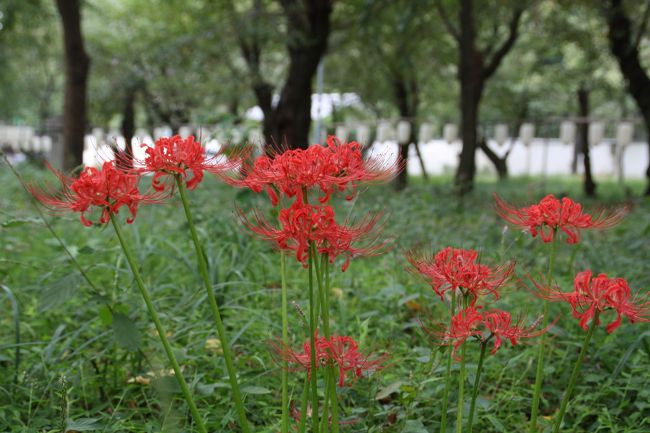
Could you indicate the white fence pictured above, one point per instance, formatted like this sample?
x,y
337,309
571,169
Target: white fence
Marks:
x,y
528,154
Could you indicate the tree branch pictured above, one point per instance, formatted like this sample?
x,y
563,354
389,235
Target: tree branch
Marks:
x,y
643,26
445,19
506,46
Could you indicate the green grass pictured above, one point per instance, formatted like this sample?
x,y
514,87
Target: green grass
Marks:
x,y
68,331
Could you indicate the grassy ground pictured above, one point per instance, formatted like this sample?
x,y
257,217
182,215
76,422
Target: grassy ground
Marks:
x,y
104,371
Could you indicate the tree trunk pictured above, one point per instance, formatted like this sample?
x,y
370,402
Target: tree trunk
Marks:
x,y
470,70
583,137
626,51
287,124
293,112
405,93
475,67
77,64
128,127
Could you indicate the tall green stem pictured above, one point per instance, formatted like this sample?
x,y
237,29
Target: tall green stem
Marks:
x,y
539,373
225,344
285,342
461,381
325,419
477,381
334,401
574,374
159,328
445,399
312,345
302,422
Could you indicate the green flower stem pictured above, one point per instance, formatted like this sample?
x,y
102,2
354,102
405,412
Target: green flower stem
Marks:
x,y
539,373
285,342
225,344
334,401
159,328
574,374
324,309
324,421
461,380
445,399
477,381
312,345
304,401
323,298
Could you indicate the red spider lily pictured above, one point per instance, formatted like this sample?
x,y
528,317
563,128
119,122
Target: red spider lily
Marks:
x,y
335,167
551,215
463,325
303,223
500,325
600,293
108,189
186,157
495,323
455,268
342,352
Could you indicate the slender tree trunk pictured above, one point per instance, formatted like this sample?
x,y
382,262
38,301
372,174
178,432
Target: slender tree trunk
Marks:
x,y
77,64
405,93
128,127
625,48
469,121
583,137
475,67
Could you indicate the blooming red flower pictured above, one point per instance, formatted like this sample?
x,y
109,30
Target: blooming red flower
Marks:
x,y
600,293
335,167
185,157
303,223
459,269
107,189
342,352
464,325
551,215
495,323
500,325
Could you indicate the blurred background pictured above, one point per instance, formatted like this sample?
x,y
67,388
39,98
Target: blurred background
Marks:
x,y
459,87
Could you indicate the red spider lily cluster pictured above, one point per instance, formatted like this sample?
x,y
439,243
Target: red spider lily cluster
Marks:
x,y
341,352
185,157
484,326
327,169
107,189
116,183
551,215
600,293
460,269
301,224
590,294
334,167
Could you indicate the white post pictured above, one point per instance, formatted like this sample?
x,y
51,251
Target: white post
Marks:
x,y
624,135
450,133
319,90
526,135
